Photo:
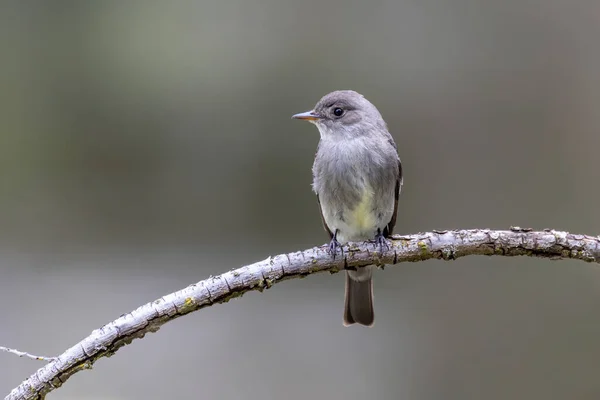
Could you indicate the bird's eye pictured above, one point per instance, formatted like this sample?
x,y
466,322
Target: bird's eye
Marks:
x,y
338,112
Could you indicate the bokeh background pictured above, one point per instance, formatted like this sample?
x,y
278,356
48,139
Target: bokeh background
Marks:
x,y
147,145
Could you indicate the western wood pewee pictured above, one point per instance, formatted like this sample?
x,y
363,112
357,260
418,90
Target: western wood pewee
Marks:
x,y
357,176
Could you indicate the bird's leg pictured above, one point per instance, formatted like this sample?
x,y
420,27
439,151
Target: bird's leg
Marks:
x,y
334,245
381,241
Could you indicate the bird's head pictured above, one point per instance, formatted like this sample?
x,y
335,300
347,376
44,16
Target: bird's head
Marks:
x,y
343,114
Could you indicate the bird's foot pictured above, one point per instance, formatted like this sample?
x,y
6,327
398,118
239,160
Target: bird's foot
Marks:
x,y
381,241
334,246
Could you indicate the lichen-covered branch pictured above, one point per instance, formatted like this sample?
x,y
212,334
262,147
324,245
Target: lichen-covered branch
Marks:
x,y
446,245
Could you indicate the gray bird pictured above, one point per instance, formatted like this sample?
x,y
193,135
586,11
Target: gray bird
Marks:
x,y
357,176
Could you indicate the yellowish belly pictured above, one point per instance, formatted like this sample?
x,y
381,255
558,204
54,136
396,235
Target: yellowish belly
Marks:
x,y
362,218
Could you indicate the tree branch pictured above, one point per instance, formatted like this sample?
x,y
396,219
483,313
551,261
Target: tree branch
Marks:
x,y
443,245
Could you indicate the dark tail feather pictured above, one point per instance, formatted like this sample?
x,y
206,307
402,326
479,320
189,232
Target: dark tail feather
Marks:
x,y
358,307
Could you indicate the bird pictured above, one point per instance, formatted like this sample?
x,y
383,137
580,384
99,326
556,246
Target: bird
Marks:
x,y
357,177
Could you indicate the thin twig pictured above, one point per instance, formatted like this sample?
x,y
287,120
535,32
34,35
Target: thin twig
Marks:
x,y
443,245
25,354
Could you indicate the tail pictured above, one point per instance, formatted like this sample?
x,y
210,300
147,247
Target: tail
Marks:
x,y
358,307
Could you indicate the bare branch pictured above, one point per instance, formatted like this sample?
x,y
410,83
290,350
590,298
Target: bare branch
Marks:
x,y
25,354
444,245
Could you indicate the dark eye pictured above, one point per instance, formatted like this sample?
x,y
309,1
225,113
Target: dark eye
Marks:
x,y
338,112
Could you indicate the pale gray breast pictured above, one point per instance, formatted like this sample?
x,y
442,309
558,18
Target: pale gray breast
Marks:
x,y
344,169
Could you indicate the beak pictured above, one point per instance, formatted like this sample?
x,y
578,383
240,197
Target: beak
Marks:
x,y
309,116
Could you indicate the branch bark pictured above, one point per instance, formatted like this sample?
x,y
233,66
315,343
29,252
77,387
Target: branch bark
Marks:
x,y
443,245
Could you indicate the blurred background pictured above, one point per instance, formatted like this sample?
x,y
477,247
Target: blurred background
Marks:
x,y
147,145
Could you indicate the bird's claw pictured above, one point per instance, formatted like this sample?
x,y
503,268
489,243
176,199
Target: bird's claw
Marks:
x,y
333,247
381,241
